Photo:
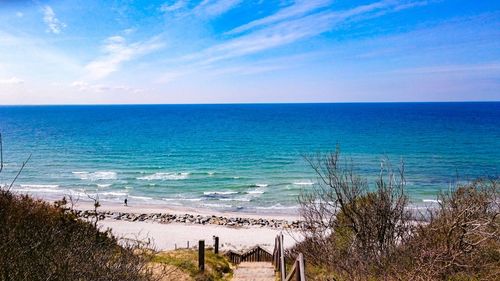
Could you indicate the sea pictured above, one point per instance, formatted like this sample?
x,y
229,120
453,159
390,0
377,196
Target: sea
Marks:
x,y
241,157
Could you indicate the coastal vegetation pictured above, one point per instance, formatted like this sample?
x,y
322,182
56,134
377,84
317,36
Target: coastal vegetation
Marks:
x,y
355,231
217,267
40,241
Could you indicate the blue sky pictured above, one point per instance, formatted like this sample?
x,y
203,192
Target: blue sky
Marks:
x,y
230,51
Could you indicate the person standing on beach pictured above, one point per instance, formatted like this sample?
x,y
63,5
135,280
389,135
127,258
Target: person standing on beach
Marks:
x,y
125,202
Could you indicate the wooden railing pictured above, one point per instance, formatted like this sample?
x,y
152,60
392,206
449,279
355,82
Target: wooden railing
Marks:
x,y
255,254
298,268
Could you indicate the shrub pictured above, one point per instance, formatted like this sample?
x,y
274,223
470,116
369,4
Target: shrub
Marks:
x,y
354,228
357,233
462,239
39,241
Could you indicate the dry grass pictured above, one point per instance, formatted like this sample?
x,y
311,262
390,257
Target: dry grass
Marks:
x,y
217,267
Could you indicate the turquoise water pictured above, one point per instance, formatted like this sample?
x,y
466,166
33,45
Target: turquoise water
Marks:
x,y
240,157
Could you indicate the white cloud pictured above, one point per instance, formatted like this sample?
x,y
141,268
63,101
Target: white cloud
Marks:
x,y
54,24
299,8
465,68
289,31
11,81
213,8
170,7
117,51
99,88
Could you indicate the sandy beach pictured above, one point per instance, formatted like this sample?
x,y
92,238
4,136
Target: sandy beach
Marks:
x,y
168,236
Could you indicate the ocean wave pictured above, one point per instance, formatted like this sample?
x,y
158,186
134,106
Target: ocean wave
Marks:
x,y
181,199
114,193
39,185
256,191
431,201
104,185
240,199
303,183
145,198
217,205
99,175
215,193
37,190
277,207
261,185
165,176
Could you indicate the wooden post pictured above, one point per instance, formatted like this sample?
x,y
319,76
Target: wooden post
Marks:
x,y
201,255
216,246
302,268
188,244
282,258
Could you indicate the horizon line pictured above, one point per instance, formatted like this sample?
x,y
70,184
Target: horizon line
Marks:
x,y
252,103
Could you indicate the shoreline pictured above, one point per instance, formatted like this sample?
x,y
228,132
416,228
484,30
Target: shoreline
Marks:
x,y
171,228
180,210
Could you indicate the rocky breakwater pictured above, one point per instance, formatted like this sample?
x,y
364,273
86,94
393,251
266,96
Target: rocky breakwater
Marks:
x,y
192,219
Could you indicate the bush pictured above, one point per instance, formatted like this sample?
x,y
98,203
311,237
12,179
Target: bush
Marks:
x,y
462,239
354,228
39,241
357,233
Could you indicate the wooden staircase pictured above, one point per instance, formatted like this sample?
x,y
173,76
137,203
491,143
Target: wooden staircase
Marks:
x,y
254,271
258,264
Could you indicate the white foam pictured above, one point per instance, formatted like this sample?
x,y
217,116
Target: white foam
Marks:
x,y
303,183
182,199
431,201
39,186
145,198
104,185
113,193
277,207
165,176
37,190
217,205
241,199
219,192
262,185
99,175
256,191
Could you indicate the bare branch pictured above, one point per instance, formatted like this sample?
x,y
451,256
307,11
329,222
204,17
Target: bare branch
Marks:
x,y
19,172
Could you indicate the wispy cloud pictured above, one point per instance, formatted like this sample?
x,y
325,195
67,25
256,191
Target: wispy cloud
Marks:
x,y
289,31
463,68
53,23
239,69
299,8
173,6
117,51
85,87
11,81
213,8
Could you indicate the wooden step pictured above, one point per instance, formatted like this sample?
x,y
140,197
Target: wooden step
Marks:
x,y
254,271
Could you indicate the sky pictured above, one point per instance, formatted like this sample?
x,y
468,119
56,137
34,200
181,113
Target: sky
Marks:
x,y
248,51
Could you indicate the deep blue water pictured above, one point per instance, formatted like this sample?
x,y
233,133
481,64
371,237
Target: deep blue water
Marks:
x,y
243,157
